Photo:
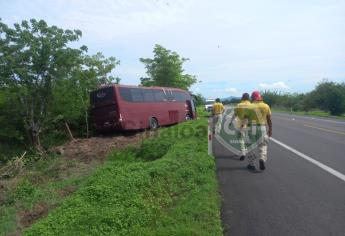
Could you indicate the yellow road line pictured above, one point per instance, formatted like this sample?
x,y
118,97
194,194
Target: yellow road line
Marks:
x,y
324,129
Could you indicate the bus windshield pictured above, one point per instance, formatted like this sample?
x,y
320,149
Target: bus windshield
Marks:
x,y
102,96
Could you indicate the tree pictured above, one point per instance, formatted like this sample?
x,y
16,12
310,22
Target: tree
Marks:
x,y
165,69
330,96
272,98
39,68
307,102
199,99
71,94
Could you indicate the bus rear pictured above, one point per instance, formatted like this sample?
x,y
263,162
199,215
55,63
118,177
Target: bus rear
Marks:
x,y
104,109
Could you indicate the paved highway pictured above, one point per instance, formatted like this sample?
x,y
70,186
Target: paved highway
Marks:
x,y
302,191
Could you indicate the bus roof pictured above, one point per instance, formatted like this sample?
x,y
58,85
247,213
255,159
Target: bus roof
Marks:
x,y
135,86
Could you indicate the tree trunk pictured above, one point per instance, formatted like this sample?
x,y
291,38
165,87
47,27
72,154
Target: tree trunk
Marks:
x,y
85,116
34,130
32,126
87,123
69,131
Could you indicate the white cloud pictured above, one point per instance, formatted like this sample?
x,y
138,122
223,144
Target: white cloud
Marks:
x,y
224,92
231,90
108,20
275,85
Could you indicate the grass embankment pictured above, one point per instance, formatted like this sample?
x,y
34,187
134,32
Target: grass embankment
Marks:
x,y
167,186
313,113
32,194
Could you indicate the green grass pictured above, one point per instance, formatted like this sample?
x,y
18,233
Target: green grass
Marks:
x,y
7,219
167,186
314,113
25,195
39,184
201,112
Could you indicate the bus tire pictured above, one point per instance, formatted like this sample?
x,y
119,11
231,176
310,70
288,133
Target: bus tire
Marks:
x,y
153,123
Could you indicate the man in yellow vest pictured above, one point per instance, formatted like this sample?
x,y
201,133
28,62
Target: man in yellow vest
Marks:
x,y
261,117
242,115
217,111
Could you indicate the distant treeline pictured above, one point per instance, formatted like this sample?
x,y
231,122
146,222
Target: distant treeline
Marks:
x,y
327,96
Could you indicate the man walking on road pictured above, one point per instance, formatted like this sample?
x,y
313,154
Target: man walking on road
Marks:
x,y
242,114
261,117
217,111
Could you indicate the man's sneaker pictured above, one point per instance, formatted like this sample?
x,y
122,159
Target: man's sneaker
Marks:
x,y
251,167
242,158
262,165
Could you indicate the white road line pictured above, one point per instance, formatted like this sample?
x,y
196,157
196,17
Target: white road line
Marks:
x,y
315,162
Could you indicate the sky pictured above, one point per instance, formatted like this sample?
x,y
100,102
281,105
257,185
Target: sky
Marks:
x,y
233,46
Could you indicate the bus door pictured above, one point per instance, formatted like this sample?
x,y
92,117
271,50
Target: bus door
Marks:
x,y
191,109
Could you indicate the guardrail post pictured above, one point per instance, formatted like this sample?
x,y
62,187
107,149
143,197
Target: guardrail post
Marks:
x,y
209,138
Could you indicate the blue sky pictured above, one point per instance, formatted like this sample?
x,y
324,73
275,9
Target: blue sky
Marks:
x,y
233,46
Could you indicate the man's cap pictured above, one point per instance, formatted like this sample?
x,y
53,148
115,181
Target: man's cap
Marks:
x,y
256,96
245,96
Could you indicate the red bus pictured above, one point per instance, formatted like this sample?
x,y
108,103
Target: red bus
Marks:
x,y
123,107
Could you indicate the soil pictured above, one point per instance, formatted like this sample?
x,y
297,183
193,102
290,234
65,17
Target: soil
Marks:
x,y
28,217
67,191
96,148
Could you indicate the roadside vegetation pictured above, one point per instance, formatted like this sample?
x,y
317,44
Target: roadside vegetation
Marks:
x,y
326,100
30,190
163,183
167,186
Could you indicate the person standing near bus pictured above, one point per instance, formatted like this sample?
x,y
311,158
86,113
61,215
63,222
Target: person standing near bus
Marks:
x,y
242,114
217,111
261,117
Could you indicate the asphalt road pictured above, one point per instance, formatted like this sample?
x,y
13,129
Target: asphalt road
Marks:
x,y
294,195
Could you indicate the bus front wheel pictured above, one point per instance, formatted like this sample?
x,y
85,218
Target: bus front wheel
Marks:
x,y
153,123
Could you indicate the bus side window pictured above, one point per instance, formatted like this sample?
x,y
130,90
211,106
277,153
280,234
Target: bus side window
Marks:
x,y
159,95
183,97
137,95
186,96
126,94
148,95
170,95
180,96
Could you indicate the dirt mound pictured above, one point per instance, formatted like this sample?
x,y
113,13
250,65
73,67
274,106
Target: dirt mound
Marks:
x,y
97,148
